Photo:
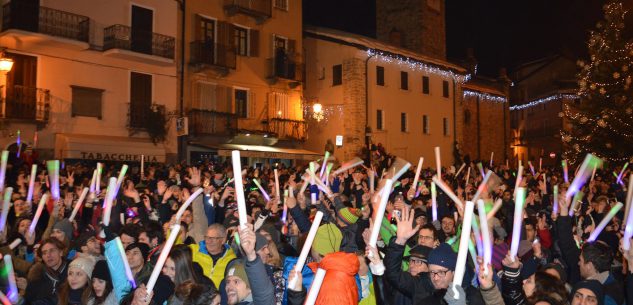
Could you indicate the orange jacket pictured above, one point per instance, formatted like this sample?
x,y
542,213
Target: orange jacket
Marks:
x,y
339,286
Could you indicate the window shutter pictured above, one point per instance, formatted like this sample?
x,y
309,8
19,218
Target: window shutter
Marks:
x,y
291,46
251,104
224,99
253,49
197,25
226,41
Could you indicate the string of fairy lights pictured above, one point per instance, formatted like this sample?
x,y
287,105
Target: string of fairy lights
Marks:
x,y
551,98
484,96
416,65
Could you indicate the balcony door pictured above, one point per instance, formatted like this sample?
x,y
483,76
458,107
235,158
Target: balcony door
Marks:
x,y
21,87
142,29
140,98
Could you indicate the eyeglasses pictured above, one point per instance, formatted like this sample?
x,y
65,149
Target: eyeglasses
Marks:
x,y
425,237
416,261
439,273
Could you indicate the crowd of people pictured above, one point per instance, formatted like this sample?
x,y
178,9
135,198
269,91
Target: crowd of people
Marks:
x,y
214,260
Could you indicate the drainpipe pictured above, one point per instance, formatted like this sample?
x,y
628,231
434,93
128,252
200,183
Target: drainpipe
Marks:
x,y
182,140
367,127
455,118
478,130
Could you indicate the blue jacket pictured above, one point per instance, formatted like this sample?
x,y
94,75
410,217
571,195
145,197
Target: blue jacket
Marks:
x,y
120,283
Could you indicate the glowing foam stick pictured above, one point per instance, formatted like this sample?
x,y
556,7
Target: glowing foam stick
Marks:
x,y
313,293
518,180
261,189
540,164
531,168
185,205
555,208
607,218
93,182
481,169
518,219
434,201
78,204
163,255
29,194
485,233
463,247
417,173
239,188
3,167
372,181
109,198
16,242
38,213
98,181
622,171
119,180
126,264
495,209
593,173
12,294
142,165
628,229
19,142
284,215
577,198
304,185
325,158
492,155
581,177
477,234
327,173
447,190
5,207
438,162
347,165
380,212
467,176
460,169
306,246
483,187
629,197
565,171
53,177
4,299
277,192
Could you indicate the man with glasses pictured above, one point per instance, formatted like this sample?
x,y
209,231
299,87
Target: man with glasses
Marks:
x,y
428,236
213,254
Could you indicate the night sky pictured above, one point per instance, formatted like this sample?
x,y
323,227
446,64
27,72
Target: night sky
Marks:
x,y
503,33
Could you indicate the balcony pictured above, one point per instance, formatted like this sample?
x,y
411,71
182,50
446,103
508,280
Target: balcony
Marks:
x,y
140,116
287,129
213,55
287,68
32,24
127,43
209,122
261,10
26,104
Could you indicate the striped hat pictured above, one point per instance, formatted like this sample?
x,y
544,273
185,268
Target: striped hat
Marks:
x,y
348,215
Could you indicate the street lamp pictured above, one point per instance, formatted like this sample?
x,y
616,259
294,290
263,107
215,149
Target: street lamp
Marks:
x,y
317,112
6,64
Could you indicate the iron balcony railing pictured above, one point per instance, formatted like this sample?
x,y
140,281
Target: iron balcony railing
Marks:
x,y
26,103
286,66
288,129
255,8
33,18
209,122
213,54
124,37
138,114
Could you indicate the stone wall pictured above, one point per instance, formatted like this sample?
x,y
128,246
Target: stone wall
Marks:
x,y
354,106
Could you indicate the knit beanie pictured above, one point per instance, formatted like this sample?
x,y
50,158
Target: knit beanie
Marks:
x,y
327,239
443,256
348,215
83,263
101,271
65,226
593,285
237,269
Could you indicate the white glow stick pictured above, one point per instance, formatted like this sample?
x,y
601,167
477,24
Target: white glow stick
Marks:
x,y
518,219
3,167
239,188
417,173
78,204
325,158
485,233
438,162
462,253
434,201
460,169
492,155
565,171
53,177
163,257
467,176
187,203
261,189
126,264
531,168
540,164
581,176
622,171
593,173
142,165
447,190
29,194
555,207
277,193
518,180
109,198
495,209
98,181
306,247
93,182
380,212
605,221
347,165
372,181
5,207
304,185
38,213
316,286
628,229
119,180
16,242
12,294
629,197
483,187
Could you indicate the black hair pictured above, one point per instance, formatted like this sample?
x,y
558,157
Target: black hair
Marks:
x,y
154,229
599,254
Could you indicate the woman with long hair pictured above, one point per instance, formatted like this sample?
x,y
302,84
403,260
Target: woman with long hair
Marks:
x,y
77,289
180,259
102,285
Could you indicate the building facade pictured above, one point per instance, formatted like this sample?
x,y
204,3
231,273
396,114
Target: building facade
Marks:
x,y
408,101
541,90
243,79
91,80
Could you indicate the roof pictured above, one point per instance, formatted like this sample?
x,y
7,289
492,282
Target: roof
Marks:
x,y
365,43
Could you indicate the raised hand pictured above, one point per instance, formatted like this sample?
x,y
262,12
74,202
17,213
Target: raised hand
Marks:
x,y
194,177
485,278
405,228
161,187
509,263
247,242
71,179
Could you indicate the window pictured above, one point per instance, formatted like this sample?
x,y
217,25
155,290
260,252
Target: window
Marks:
x,y
140,99
240,35
207,30
445,88
380,76
425,124
404,80
337,75
425,85
445,123
281,4
241,103
379,120
281,103
403,122
86,101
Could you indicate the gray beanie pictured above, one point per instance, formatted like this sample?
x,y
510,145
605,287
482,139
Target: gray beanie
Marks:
x,y
65,226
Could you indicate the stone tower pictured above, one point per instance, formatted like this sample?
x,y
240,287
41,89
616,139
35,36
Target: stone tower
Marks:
x,y
418,25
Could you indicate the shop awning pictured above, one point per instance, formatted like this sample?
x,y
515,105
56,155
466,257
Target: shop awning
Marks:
x,y
107,148
268,152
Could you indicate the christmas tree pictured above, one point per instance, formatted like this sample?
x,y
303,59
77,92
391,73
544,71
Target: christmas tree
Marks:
x,y
602,123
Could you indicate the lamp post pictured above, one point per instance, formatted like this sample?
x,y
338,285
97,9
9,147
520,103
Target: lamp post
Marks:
x,y
6,64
